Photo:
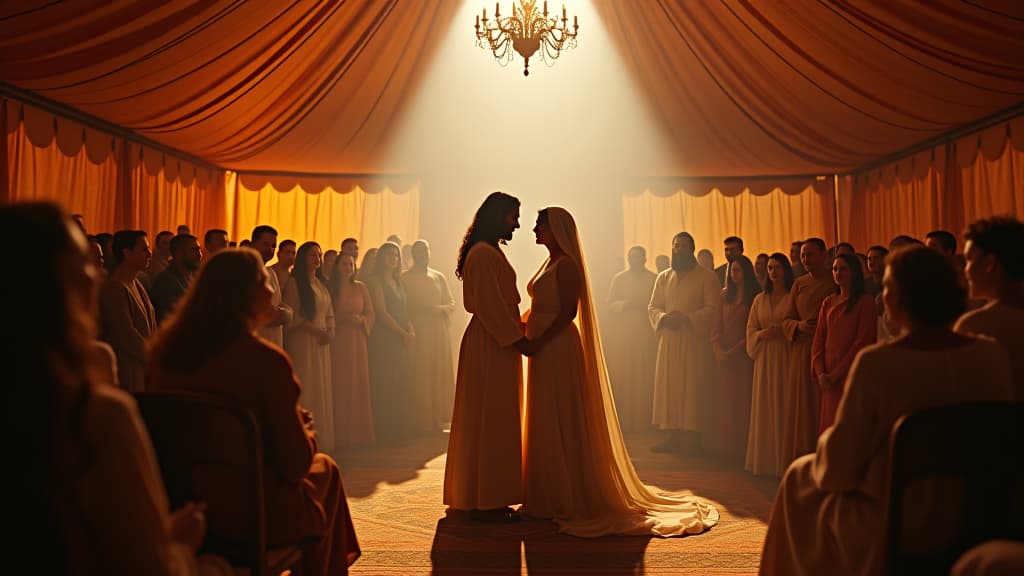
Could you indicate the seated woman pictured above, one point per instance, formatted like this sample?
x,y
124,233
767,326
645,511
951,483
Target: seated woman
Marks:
x,y
829,513
210,345
87,470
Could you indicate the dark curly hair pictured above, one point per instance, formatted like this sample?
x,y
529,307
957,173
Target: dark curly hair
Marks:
x,y
1002,237
487,224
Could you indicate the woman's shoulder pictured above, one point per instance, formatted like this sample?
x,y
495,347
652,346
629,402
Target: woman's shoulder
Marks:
x,y
262,352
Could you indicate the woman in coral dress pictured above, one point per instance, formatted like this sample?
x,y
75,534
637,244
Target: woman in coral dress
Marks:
x,y
353,317
576,470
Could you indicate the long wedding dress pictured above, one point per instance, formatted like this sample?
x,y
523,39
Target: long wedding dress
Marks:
x,y
576,469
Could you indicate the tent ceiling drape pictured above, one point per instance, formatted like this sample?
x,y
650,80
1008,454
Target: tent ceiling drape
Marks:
x,y
315,86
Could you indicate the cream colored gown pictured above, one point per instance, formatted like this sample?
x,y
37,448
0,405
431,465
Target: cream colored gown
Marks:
x,y
829,513
312,360
765,454
576,468
484,467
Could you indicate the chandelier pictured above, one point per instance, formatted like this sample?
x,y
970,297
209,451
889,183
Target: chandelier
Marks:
x,y
526,31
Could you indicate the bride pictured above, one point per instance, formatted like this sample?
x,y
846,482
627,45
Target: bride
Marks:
x,y
576,470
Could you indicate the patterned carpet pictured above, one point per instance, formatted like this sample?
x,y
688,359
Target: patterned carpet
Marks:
x,y
395,495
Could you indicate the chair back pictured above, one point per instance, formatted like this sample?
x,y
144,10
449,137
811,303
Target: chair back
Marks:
x,y
979,445
210,450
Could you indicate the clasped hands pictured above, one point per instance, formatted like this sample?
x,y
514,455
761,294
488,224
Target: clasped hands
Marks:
x,y
673,320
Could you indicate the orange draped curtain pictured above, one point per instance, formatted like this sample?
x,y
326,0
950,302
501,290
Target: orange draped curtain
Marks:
x,y
326,216
944,188
766,222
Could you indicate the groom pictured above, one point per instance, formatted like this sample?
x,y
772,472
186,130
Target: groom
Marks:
x,y
484,466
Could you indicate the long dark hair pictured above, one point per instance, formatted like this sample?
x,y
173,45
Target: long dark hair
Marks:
x,y
44,407
215,312
857,288
335,283
487,224
787,273
378,270
750,286
300,272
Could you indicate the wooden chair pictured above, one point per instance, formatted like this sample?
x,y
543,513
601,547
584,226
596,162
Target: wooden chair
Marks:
x,y
982,445
210,450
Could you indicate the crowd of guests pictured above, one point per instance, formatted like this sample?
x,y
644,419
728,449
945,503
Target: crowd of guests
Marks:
x,y
324,360
794,366
801,364
350,331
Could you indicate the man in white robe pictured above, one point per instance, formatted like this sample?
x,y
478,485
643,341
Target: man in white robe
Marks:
x,y
681,310
430,305
264,241
483,472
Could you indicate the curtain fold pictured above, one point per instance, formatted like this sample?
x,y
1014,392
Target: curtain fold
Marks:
x,y
748,88
297,86
767,223
328,216
946,188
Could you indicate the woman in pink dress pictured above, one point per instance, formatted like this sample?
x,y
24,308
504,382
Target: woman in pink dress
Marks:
x,y
353,316
731,395
847,322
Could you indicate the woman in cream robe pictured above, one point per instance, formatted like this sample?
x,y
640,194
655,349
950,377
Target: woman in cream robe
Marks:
x,y
576,469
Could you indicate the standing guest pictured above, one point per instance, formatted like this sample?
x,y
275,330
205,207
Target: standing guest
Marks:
x,y
761,269
662,262
632,346
829,501
184,229
106,241
127,317
943,241
845,248
846,324
706,259
368,265
809,291
735,375
171,285
389,347
430,355
96,256
876,268
308,337
211,346
350,363
285,260
681,310
733,248
328,263
768,347
902,241
161,256
264,241
215,240
995,272
794,257
350,246
87,480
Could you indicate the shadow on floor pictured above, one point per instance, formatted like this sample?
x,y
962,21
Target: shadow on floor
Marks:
x,y
388,464
462,547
